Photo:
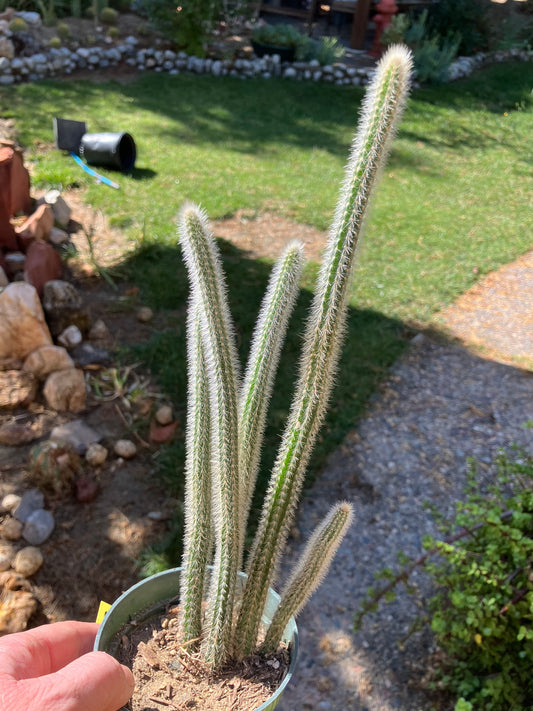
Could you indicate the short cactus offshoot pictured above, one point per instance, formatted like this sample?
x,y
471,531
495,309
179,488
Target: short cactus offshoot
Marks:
x,y
226,416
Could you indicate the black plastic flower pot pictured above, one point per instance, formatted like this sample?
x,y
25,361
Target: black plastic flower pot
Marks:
x,y
151,597
286,54
113,150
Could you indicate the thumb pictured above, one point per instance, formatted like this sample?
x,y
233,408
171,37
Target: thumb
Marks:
x,y
93,682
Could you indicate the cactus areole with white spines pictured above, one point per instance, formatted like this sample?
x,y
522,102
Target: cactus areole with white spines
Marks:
x,y
221,469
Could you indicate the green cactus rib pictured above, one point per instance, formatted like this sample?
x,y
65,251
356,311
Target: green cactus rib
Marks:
x,y
381,111
205,273
198,533
267,341
309,571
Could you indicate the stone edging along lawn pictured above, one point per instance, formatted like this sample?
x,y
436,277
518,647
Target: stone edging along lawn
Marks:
x,y
63,61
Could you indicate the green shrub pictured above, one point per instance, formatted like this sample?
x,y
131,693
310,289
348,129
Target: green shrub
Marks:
x,y
54,43
113,32
482,615
482,612
18,24
282,35
432,53
108,16
329,50
189,24
467,18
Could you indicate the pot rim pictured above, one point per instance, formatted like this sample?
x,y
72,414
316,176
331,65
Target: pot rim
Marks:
x,y
290,634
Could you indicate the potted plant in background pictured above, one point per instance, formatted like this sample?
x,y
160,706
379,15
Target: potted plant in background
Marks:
x,y
224,616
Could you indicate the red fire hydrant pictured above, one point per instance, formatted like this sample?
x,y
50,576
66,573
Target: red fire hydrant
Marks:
x,y
385,10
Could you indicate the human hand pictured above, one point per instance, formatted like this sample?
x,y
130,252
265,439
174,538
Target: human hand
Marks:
x,y
52,668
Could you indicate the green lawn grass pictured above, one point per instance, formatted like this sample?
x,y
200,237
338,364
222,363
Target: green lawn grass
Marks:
x,y
454,202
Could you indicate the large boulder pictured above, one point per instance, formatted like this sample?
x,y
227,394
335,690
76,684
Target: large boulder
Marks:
x,y
22,325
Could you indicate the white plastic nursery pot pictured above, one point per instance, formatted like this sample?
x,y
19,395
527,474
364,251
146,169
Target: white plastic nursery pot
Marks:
x,y
151,596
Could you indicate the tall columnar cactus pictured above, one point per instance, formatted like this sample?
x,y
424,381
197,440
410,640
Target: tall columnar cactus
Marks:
x,y
235,423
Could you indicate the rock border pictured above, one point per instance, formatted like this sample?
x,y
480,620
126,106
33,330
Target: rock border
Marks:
x,y
63,61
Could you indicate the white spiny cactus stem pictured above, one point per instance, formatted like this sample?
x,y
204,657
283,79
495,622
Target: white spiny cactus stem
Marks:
x,y
209,294
381,111
198,528
259,375
309,571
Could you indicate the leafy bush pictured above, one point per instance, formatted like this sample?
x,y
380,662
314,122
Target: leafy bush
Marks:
x,y
329,50
467,18
188,24
482,613
281,35
432,54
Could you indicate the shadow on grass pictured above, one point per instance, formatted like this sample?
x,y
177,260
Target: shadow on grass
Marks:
x,y
372,343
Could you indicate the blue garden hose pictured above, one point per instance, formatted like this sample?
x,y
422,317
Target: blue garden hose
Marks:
x,y
93,173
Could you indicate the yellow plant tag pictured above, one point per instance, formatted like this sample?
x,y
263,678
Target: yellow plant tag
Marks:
x,y
104,607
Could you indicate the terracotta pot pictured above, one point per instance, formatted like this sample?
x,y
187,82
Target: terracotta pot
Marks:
x,y
151,596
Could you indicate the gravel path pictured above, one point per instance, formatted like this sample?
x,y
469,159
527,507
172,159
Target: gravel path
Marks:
x,y
440,405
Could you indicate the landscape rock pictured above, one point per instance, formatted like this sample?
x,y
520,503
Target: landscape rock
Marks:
x,y
14,434
65,391
17,603
10,363
31,501
10,502
46,360
15,262
58,236
11,529
125,448
17,388
164,415
28,561
4,281
43,264
76,434
61,210
22,325
70,337
145,314
87,489
86,354
96,454
59,294
38,527
160,434
6,558
99,331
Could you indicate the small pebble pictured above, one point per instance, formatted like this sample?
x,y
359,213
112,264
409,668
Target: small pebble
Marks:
x,y
145,314
96,454
38,527
164,415
6,558
125,448
30,502
156,516
11,529
87,489
70,337
10,502
28,561
98,331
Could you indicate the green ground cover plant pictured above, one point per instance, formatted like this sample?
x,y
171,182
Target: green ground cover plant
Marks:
x,y
482,609
452,204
